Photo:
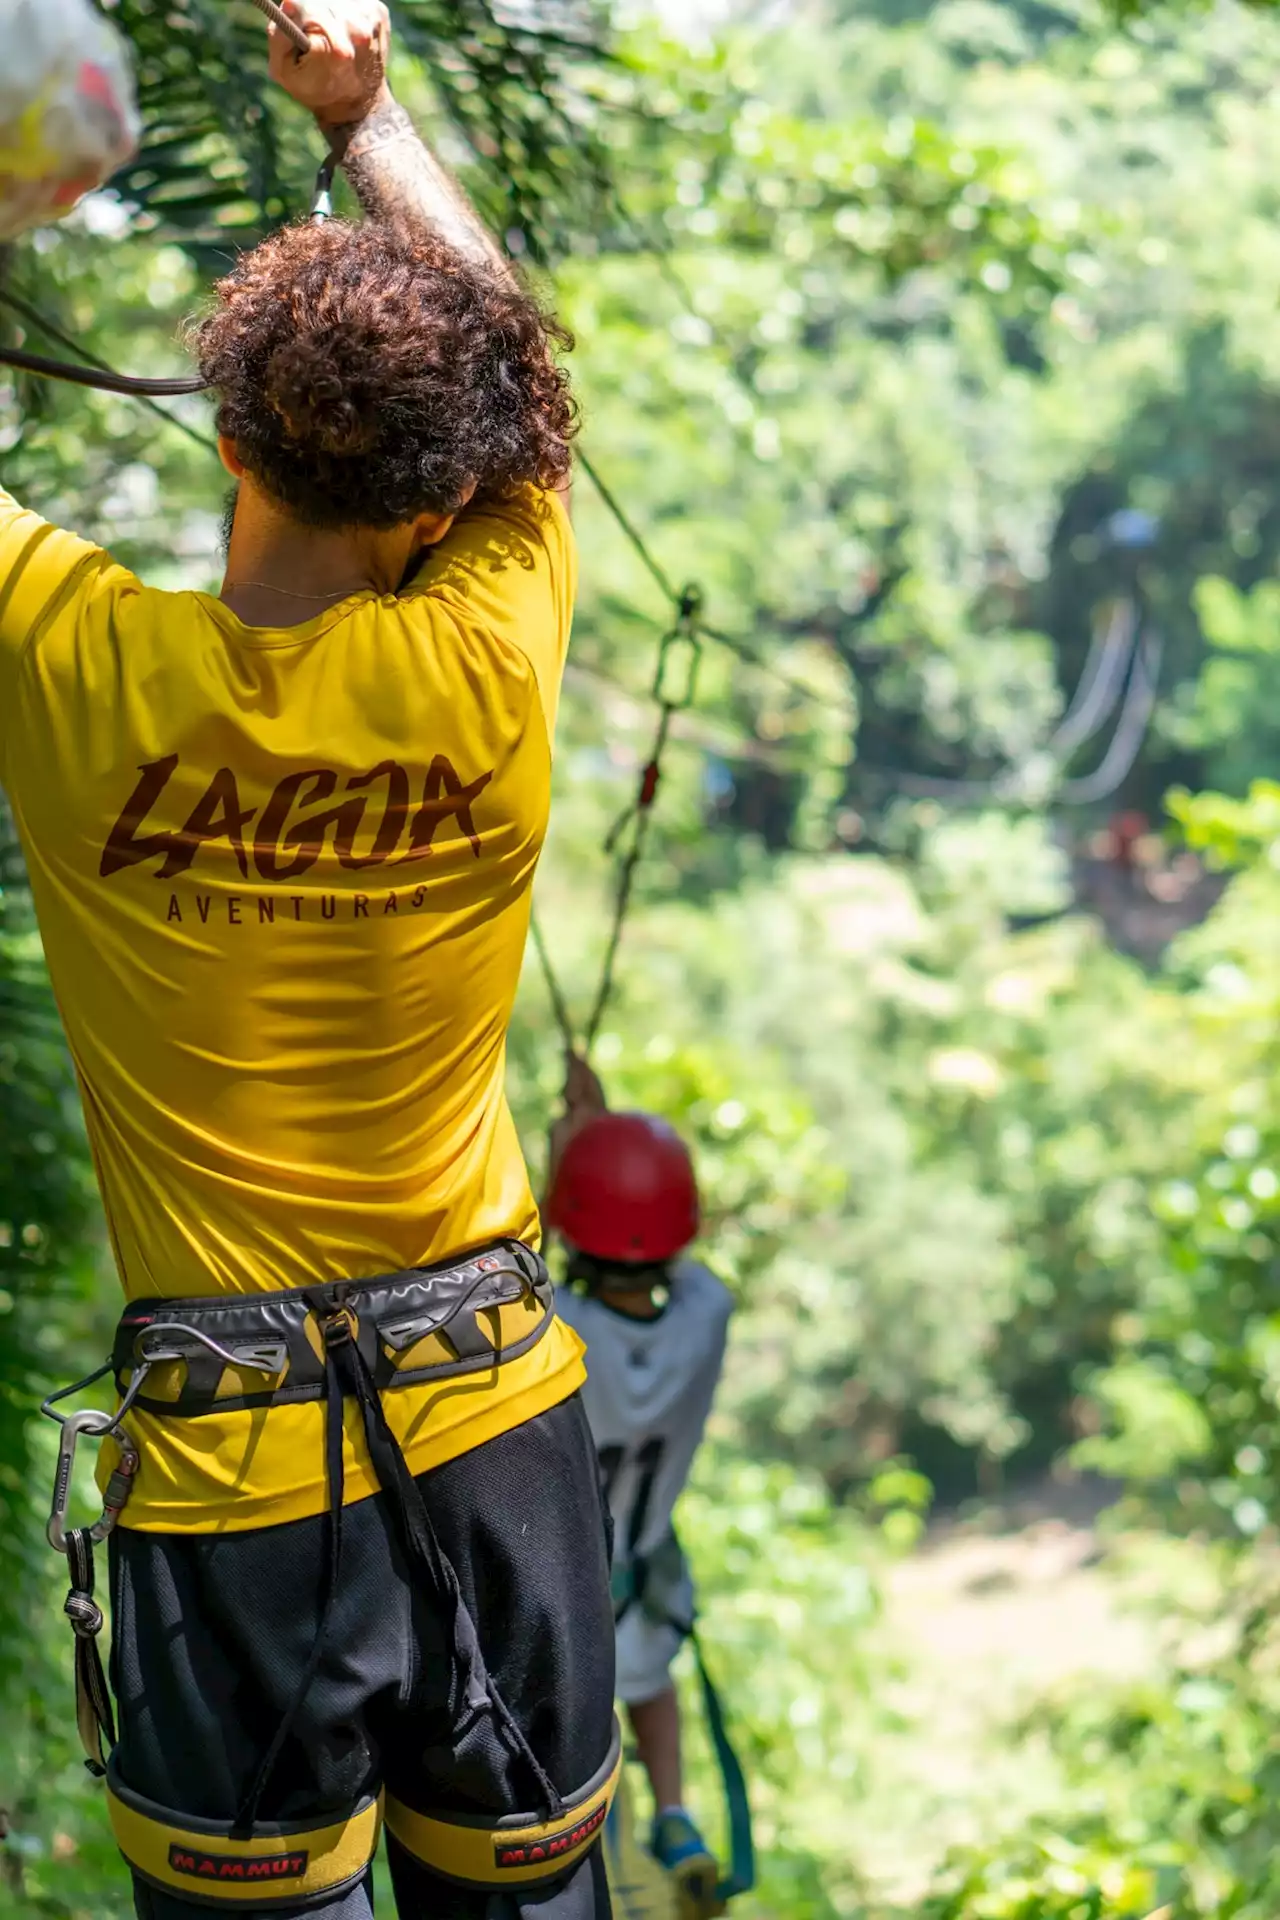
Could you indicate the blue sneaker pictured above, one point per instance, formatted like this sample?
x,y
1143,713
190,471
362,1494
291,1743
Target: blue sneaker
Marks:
x,y
677,1845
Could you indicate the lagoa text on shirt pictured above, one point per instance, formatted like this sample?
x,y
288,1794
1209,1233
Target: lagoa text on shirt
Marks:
x,y
281,851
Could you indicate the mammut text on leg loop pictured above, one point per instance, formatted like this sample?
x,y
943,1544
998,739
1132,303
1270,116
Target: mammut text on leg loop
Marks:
x,y
206,1861
517,1850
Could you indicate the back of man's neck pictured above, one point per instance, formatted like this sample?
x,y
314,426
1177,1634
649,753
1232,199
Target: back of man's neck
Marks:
x,y
282,574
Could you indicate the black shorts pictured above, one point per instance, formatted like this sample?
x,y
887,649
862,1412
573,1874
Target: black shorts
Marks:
x,y
212,1633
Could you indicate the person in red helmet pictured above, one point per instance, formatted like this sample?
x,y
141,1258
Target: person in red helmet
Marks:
x,y
624,1199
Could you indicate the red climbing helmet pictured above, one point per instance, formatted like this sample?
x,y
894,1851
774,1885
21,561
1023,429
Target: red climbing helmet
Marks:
x,y
625,1190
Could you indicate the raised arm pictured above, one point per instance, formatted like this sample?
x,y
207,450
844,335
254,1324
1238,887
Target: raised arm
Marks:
x,y
583,1100
343,82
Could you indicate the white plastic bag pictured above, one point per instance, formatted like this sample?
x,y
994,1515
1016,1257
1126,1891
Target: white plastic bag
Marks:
x,y
67,112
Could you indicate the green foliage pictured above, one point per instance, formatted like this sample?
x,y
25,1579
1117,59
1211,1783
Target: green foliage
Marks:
x,y
1195,1389
893,258
1174,1786
784,1582
1173,1809
1229,716
883,314
1235,833
894,1099
225,155
47,1315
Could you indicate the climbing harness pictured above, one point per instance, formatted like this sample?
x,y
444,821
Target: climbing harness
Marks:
x,y
675,685
349,1340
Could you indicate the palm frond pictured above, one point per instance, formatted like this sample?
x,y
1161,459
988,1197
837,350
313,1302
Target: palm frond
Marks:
x,y
224,156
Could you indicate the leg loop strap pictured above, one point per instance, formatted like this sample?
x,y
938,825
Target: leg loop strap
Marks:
x,y
211,1864
519,1850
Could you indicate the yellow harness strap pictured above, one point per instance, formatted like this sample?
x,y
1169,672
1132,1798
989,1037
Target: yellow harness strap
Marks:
x,y
517,1851
201,1860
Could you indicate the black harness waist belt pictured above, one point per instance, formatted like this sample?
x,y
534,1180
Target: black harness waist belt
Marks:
x,y
217,1354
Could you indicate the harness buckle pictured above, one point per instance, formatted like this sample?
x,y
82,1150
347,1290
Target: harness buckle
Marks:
x,y
99,1426
339,1328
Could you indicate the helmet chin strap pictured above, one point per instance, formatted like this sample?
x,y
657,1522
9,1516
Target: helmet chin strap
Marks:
x,y
615,1276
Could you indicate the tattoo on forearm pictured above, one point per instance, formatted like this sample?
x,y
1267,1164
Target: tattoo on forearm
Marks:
x,y
397,177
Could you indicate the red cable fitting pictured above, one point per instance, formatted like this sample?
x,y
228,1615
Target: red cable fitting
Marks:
x,y
649,784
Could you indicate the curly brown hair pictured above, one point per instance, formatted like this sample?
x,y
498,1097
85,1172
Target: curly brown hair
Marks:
x,y
368,373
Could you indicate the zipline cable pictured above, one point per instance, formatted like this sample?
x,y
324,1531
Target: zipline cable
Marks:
x,y
675,683
655,568
1120,667
733,643
1131,730
289,28
120,383
1127,670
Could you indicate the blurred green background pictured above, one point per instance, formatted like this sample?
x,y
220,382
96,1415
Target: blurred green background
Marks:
x,y
936,341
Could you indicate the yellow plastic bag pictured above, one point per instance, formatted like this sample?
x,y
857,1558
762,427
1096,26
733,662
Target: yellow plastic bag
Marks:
x,y
67,112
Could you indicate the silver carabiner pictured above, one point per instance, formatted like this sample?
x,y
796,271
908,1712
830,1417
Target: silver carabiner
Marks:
x,y
99,1426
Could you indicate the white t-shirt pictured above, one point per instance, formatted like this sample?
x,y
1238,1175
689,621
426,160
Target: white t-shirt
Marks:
x,y
650,1384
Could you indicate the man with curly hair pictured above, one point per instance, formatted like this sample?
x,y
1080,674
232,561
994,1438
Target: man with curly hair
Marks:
x,y
281,843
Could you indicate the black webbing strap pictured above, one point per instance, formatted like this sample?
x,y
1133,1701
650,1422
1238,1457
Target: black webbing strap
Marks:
x,y
472,1693
94,1716
472,1690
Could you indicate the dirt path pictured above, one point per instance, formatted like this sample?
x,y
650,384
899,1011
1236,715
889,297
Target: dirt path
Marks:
x,y
983,1620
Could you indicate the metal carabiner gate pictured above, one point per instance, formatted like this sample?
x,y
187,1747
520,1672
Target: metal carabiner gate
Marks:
x,y
100,1426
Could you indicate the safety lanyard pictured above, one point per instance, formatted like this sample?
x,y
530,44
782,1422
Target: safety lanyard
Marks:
x,y
675,685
